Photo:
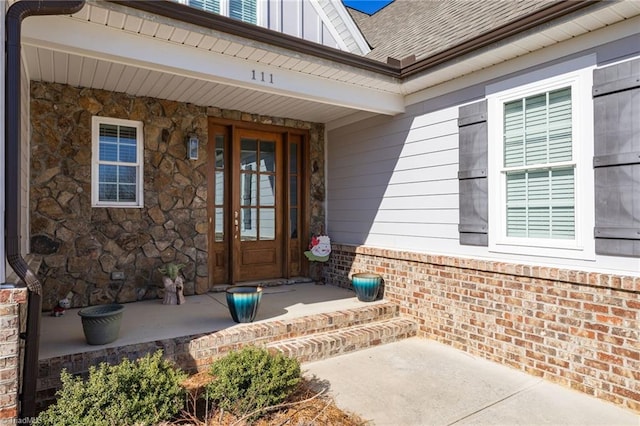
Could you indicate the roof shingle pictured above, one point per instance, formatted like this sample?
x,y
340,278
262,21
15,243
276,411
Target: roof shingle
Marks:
x,y
425,27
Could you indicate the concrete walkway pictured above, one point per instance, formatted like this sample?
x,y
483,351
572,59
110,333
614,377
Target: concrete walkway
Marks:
x,y
421,382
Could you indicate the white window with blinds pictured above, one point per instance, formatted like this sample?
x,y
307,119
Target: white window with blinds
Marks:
x,y
538,166
243,10
117,163
540,178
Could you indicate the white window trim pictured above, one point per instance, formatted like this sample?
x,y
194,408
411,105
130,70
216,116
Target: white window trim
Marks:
x,y
583,246
95,152
224,10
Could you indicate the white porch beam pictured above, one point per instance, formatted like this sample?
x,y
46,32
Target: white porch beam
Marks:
x,y
102,42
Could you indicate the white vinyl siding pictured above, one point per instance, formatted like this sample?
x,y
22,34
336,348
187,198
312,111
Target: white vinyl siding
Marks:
x,y
392,182
539,172
117,160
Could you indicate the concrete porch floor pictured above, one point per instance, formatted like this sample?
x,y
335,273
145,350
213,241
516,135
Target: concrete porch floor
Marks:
x,y
151,320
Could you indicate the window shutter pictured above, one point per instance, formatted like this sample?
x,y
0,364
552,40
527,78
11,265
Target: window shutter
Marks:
x,y
472,175
616,93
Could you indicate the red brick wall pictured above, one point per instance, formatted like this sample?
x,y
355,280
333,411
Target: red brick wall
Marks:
x,y
10,301
575,328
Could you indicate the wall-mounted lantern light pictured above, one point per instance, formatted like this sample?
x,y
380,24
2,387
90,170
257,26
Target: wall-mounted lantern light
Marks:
x,y
192,148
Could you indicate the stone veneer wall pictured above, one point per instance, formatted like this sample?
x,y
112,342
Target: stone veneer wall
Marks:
x,y
13,304
82,245
579,329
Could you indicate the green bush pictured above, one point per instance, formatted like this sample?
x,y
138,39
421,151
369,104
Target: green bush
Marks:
x,y
252,378
143,392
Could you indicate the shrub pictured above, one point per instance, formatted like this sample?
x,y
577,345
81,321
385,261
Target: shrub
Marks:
x,y
143,392
252,378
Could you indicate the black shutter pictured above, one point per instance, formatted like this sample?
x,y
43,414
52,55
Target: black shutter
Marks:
x,y
616,93
472,175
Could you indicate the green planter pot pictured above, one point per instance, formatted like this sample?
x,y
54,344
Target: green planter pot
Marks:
x,y
243,302
366,285
101,324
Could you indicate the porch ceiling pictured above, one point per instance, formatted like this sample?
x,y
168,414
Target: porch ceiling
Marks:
x,y
107,46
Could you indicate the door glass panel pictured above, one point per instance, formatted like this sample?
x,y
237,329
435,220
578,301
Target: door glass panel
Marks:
x,y
219,152
248,224
293,158
267,190
248,189
219,189
219,231
293,223
248,154
293,191
267,156
267,224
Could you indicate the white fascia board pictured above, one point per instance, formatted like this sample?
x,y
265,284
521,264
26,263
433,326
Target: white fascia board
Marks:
x,y
351,25
330,26
353,29
101,42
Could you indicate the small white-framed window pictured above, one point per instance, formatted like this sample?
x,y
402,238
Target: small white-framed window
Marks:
x,y
540,176
243,10
117,162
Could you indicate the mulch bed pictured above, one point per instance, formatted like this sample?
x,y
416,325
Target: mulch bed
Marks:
x,y
309,405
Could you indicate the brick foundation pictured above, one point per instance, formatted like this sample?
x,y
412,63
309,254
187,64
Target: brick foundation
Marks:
x,y
12,303
575,328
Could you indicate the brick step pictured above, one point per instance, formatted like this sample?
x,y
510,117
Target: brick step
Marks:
x,y
204,349
337,342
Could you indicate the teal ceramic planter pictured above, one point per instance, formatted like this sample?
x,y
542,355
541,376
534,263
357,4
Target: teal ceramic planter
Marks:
x,y
366,285
101,324
243,303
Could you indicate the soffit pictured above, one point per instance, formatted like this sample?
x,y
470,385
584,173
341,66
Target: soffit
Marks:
x,y
268,80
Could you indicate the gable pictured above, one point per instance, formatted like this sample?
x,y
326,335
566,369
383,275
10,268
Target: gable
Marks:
x,y
324,22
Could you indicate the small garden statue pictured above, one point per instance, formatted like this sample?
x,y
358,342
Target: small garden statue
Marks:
x,y
62,305
173,284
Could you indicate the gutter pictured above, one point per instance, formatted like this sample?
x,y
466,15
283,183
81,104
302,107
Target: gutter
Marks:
x,y
15,15
393,68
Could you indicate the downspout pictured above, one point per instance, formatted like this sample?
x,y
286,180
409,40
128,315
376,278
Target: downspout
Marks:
x,y
15,15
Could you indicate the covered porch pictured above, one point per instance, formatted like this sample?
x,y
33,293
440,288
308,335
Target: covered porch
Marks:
x,y
150,320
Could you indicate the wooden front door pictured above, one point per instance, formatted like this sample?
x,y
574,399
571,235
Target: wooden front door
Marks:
x,y
257,197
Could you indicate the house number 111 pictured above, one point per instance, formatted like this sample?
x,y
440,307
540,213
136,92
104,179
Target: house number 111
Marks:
x,y
266,78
